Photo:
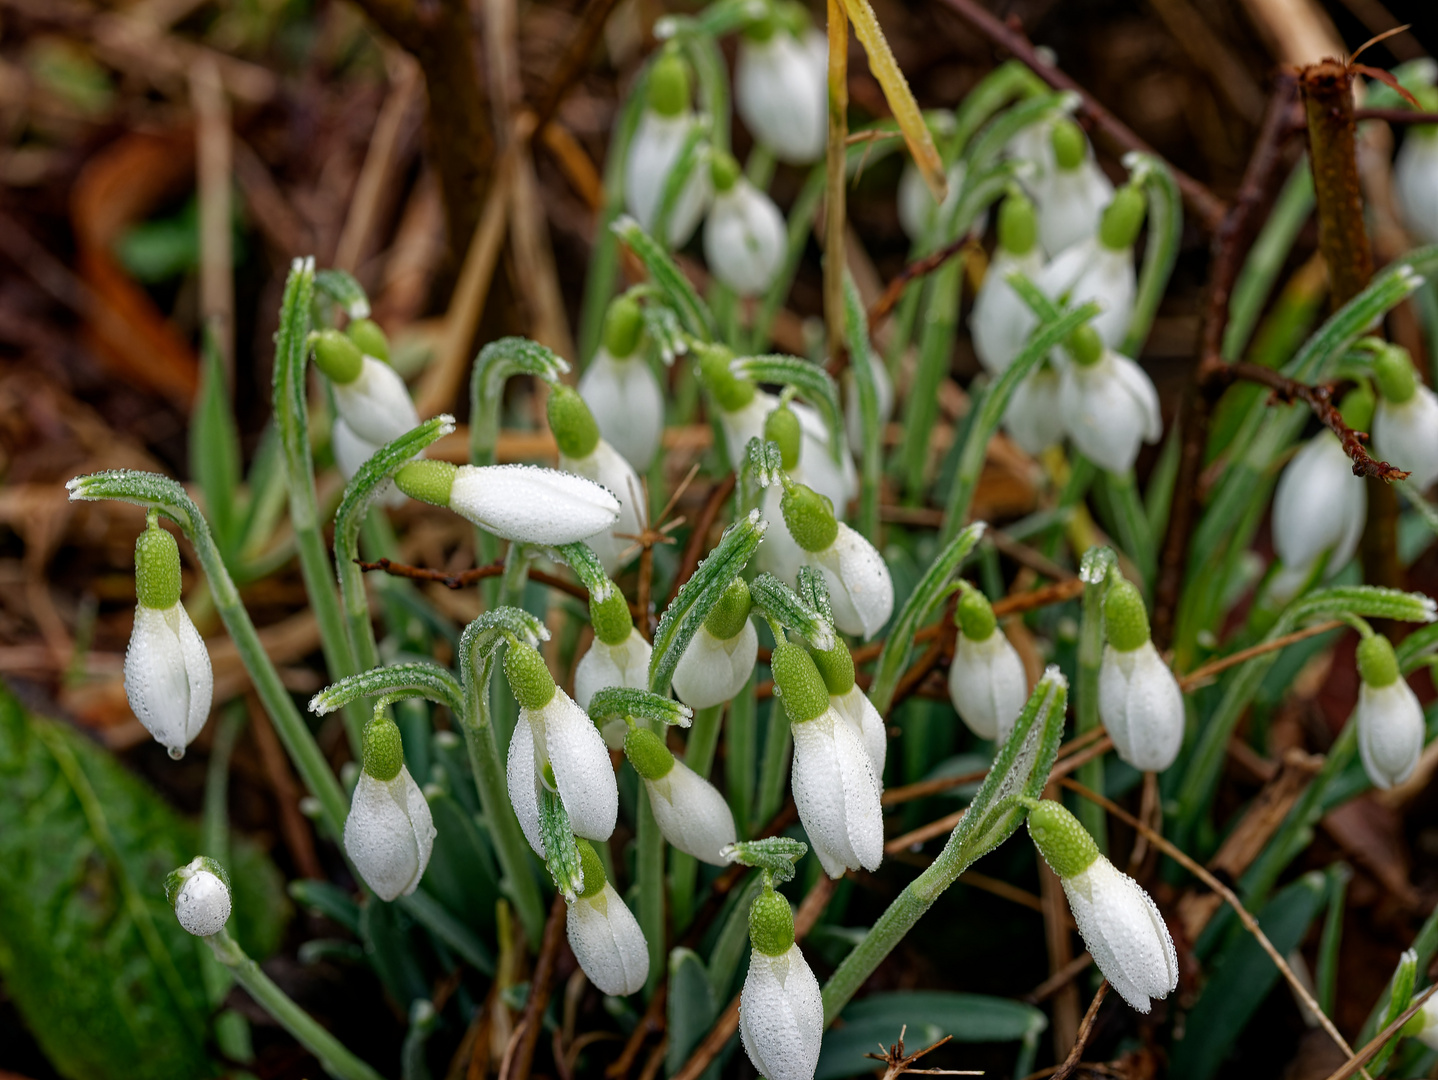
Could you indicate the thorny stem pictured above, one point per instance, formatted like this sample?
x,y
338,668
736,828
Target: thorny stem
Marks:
x,y
835,165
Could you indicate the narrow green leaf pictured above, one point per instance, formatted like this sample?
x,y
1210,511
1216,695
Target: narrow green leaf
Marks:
x,y
580,558
777,855
780,603
561,853
215,448
692,1009
813,382
1165,230
667,278
864,363
623,702
416,679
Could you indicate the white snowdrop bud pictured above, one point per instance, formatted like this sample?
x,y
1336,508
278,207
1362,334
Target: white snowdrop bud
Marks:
x,y
1118,921
987,683
1101,268
780,92
861,590
1035,416
720,656
555,744
781,1014
836,667
1390,720
604,933
1072,190
921,216
370,396
621,389
1415,174
389,833
1110,405
199,891
583,453
658,142
523,503
689,810
1405,420
618,656
835,788
744,236
1138,698
1001,322
168,678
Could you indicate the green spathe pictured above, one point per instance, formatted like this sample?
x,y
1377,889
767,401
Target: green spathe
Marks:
x,y
668,93
383,749
1122,218
771,924
371,339
809,516
1393,368
623,325
730,391
529,678
1018,224
591,867
1125,617
797,683
1065,844
647,753
1377,663
427,481
836,666
610,618
337,356
572,423
782,427
157,569
726,619
975,615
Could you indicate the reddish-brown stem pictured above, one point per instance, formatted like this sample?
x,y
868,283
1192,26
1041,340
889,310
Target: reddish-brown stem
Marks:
x,y
469,577
1396,116
914,270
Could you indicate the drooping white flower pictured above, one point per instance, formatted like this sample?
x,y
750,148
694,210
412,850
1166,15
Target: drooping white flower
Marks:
x,y
621,390
1118,921
720,656
199,891
1139,700
555,744
780,92
618,656
658,142
1101,268
689,810
835,788
853,705
861,589
1110,405
584,453
1405,420
515,502
781,1014
1071,191
1415,181
389,833
987,683
370,396
1390,720
1319,508
1001,322
744,236
604,933
1035,416
921,216
168,678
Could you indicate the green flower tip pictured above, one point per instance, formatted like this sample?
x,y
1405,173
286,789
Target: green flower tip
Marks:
x,y
1357,407
1122,219
1069,143
782,426
726,619
383,749
771,924
1125,617
427,481
730,392
1397,381
809,516
669,85
591,867
975,616
797,683
1376,662
1085,346
1018,224
572,423
370,339
157,569
337,356
836,667
529,678
623,325
647,753
723,171
1065,844
610,618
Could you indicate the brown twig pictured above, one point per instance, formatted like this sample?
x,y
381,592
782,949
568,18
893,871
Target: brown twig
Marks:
x,y
571,65
531,1022
1396,116
1059,979
1201,676
926,264
897,1063
468,577
1070,1063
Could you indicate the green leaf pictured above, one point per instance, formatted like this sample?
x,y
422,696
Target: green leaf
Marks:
x,y
778,855
580,558
390,948
877,1020
1165,230
691,156
623,702
215,448
692,1010
560,850
1400,996
865,362
327,899
461,873
813,382
667,278
419,678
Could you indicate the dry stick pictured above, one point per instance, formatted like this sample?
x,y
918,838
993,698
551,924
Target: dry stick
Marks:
x,y
1358,1060
469,577
927,264
1249,922
526,1033
1201,676
1059,979
649,1023
1200,199
1070,1063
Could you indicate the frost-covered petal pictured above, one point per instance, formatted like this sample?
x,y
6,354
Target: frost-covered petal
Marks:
x,y
1070,204
691,813
522,779
1406,434
837,794
203,904
861,590
582,770
781,1016
608,468
608,943
376,404
1124,931
1141,706
1001,322
713,670
780,93
351,452
1089,271
532,505
855,707
168,678
1319,506
987,685
1415,182
603,665
653,152
628,405
389,834
1390,732
744,239
1110,408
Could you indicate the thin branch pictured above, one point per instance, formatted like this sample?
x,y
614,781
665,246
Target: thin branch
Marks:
x,y
469,577
1396,116
926,264
571,65
1070,1063
1203,675
897,1063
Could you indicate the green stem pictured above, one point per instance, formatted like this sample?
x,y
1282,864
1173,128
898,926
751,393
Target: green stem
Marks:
x,y
1086,717
772,771
683,867
332,1055
1266,259
941,311
649,870
740,745
1134,533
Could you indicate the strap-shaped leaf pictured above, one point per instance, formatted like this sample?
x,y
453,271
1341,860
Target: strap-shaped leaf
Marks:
x,y
341,287
580,558
288,397
864,362
989,144
1160,253
664,330
495,363
693,154
687,612
810,380
779,602
814,592
623,702
561,853
667,278
417,679
777,855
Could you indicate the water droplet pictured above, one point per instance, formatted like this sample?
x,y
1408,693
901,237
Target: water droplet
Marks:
x,y
177,752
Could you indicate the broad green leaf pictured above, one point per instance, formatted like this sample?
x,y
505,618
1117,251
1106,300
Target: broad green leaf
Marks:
x,y
692,1010
461,873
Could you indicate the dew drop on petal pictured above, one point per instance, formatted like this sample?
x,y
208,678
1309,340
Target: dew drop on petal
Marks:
x,y
177,752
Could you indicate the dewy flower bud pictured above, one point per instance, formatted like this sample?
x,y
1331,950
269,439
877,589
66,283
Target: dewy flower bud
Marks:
x,y
618,656
987,683
846,698
861,590
689,810
781,1014
1390,720
168,678
744,236
1118,921
1415,174
1093,269
833,778
1138,698
781,94
1110,405
370,396
720,656
1072,193
515,502
621,390
655,149
604,933
1001,322
555,744
389,833
583,453
200,894
1405,420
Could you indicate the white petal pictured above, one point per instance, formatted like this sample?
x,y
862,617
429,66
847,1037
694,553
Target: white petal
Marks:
x,y
1390,732
837,794
1109,410
608,468
1001,322
627,403
988,685
691,814
1124,931
653,152
1415,182
919,214
608,943
861,590
523,782
855,707
376,405
1141,705
1035,416
1318,506
712,671
745,239
203,904
582,770
625,664
389,834
1070,205
532,505
351,452
817,467
781,1016
168,678
198,672
1407,435
780,94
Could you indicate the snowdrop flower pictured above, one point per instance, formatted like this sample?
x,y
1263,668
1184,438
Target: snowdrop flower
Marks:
x,y
689,810
389,833
833,778
618,656
1390,720
720,656
987,683
1415,174
621,390
744,236
584,453
836,667
780,87
1424,1024
1138,698
1118,921
853,414
1101,267
780,554
604,933
1035,416
522,503
658,141
555,744
199,892
351,452
1072,193
1319,506
370,396
861,590
1110,405
921,216
1405,420
781,1016
168,677
1001,322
